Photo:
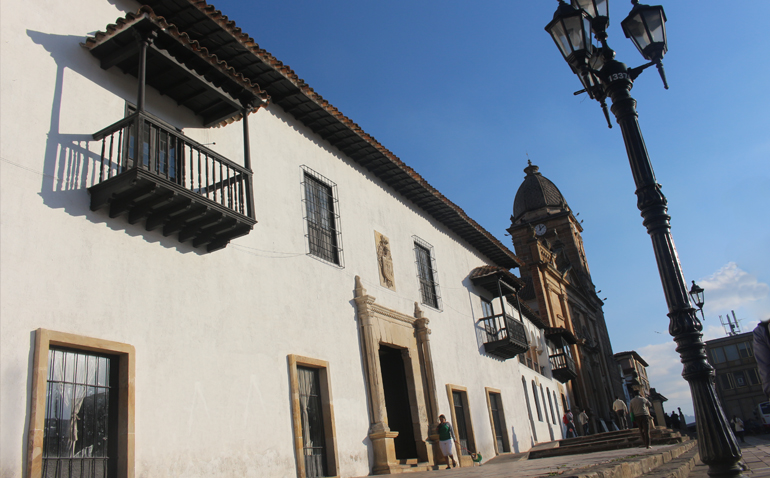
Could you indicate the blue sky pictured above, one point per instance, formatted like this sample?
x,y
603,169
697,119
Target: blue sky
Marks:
x,y
463,91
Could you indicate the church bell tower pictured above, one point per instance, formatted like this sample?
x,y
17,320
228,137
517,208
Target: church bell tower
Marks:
x,y
547,237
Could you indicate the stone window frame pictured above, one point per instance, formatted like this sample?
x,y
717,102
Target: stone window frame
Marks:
x,y
465,460
126,357
506,440
330,431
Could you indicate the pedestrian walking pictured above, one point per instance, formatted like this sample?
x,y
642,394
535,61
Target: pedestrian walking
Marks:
x,y
762,354
737,424
674,421
682,421
582,420
446,436
569,422
640,409
621,411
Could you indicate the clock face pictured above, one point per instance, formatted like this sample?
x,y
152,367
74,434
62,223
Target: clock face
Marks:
x,y
540,229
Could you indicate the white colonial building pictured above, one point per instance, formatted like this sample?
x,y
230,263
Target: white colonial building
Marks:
x,y
208,270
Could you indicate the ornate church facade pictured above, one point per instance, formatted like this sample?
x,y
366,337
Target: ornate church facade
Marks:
x,y
547,238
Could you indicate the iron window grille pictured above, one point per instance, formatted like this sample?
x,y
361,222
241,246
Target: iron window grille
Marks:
x,y
311,416
81,415
322,220
425,260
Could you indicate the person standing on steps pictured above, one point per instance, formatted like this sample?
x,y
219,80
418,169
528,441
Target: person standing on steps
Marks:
x,y
446,436
640,408
582,420
569,422
621,410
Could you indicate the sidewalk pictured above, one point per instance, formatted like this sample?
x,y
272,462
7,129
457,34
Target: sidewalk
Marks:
x,y
507,466
756,455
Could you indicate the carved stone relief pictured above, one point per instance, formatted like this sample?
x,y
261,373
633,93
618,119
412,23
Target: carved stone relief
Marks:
x,y
384,261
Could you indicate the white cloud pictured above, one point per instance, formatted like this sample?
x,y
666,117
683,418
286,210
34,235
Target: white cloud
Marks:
x,y
732,288
729,288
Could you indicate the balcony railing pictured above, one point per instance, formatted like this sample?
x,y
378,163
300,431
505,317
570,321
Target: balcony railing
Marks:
x,y
172,181
504,336
563,367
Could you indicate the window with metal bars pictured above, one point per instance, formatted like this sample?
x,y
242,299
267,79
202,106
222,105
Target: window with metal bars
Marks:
x,y
311,410
426,273
459,400
79,438
321,217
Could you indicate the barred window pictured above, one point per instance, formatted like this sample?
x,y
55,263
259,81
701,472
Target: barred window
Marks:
x,y
81,415
321,217
426,273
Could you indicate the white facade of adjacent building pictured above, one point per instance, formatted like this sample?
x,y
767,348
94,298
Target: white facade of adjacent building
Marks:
x,y
211,353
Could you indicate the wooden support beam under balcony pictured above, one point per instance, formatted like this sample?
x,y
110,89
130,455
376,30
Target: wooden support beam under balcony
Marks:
x,y
504,337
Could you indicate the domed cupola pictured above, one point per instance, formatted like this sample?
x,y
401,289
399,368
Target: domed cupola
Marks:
x,y
536,195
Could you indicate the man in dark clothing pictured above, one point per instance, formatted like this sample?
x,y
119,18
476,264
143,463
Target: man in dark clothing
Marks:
x,y
674,421
762,354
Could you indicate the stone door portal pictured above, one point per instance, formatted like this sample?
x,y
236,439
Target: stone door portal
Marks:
x,y
401,388
399,410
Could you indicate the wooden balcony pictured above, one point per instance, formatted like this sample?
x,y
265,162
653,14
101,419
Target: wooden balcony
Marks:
x,y
172,183
563,367
504,336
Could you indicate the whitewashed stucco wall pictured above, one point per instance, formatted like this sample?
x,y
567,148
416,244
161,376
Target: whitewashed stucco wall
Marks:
x,y
212,332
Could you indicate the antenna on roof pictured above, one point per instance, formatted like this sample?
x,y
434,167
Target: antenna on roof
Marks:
x,y
731,326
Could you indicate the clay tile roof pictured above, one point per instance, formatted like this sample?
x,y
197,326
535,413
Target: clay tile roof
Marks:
x,y
489,271
146,16
213,30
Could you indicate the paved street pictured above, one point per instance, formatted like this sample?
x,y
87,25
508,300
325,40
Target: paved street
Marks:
x,y
756,454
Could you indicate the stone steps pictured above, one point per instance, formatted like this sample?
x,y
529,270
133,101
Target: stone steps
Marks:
x,y
412,465
604,442
673,462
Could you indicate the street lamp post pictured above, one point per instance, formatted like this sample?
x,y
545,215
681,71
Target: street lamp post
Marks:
x,y
602,76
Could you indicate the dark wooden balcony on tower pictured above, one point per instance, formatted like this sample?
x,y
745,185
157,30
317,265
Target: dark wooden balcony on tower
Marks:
x,y
563,367
149,171
562,363
504,336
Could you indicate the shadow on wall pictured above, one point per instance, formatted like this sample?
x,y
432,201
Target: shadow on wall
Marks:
x,y
515,440
72,162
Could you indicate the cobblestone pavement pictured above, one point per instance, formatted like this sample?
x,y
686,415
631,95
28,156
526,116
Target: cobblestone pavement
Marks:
x,y
756,455
502,467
